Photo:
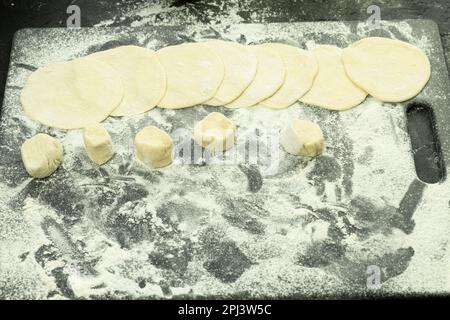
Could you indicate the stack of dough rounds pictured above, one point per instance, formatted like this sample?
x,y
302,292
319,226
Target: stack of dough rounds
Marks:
x,y
71,95
301,69
240,68
130,80
269,78
389,70
142,74
194,73
332,89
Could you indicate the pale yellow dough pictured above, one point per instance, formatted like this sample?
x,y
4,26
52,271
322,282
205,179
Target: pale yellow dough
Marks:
x,y
390,70
142,74
154,147
194,73
302,138
301,69
240,69
269,78
71,95
98,144
41,155
215,132
332,88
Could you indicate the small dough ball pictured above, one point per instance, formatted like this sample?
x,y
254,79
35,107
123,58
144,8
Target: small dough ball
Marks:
x,y
302,138
154,147
98,144
41,155
215,132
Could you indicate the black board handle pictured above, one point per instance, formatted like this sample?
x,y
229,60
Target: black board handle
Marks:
x,y
425,144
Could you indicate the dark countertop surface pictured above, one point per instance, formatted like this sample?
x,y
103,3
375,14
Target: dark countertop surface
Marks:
x,y
16,14
227,254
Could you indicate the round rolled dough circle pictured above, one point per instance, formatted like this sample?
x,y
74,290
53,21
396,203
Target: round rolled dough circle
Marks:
x,y
194,73
301,69
143,77
240,69
71,95
332,89
269,78
390,70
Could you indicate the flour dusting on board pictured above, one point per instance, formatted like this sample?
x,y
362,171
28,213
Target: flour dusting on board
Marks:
x,y
310,229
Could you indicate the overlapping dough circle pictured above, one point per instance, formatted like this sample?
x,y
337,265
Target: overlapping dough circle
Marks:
x,y
71,95
332,89
240,68
143,77
194,73
390,70
301,69
268,79
129,80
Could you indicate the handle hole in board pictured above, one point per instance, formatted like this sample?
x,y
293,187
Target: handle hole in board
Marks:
x,y
425,145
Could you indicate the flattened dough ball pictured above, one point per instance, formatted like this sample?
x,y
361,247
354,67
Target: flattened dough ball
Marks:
x,y
71,95
194,73
240,68
390,70
143,77
154,147
41,155
215,133
302,138
332,88
98,144
269,78
301,69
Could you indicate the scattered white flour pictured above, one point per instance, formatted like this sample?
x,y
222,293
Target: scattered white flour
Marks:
x,y
107,253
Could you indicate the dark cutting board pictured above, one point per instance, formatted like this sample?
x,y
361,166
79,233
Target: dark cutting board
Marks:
x,y
375,205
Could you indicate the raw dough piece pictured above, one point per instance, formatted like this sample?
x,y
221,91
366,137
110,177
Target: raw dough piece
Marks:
x,y
154,147
332,89
41,155
98,144
269,77
194,73
71,95
143,77
240,69
215,132
301,69
390,70
302,138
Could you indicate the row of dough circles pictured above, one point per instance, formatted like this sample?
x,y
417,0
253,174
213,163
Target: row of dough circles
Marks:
x,y
131,80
